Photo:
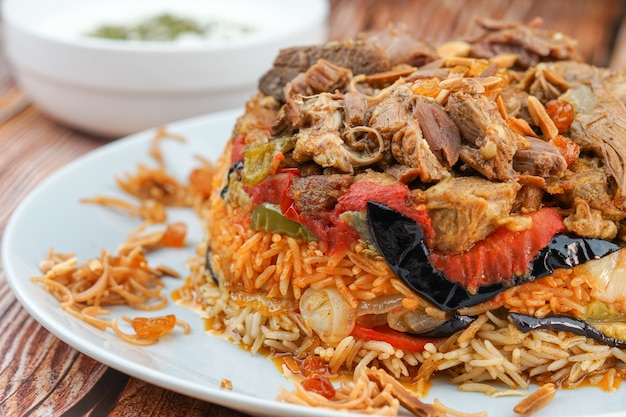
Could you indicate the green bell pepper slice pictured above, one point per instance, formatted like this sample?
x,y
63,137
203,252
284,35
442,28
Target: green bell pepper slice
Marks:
x,y
269,218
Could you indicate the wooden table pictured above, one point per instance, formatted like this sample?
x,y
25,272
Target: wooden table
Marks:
x,y
39,374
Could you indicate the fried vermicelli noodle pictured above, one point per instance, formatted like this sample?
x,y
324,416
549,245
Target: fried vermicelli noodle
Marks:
x,y
85,290
453,211
125,277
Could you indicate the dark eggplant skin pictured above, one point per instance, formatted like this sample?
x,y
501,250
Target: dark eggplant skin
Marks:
x,y
526,323
565,251
209,266
449,327
400,240
235,167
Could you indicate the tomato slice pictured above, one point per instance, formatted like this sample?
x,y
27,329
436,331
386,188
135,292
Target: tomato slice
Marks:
x,y
396,339
503,255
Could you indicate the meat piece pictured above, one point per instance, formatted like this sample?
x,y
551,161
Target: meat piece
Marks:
x,y
531,44
464,210
439,130
493,144
529,198
515,102
588,182
355,108
317,193
321,135
599,126
401,45
541,158
410,148
325,147
390,116
321,77
403,173
572,72
356,56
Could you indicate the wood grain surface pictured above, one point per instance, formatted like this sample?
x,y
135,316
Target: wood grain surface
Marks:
x,y
42,376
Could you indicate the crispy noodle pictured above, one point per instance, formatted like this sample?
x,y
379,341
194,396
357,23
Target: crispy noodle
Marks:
x,y
126,278
83,290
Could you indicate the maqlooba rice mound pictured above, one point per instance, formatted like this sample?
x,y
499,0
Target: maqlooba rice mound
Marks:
x,y
453,209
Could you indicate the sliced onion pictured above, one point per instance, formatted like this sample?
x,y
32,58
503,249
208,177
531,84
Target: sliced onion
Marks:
x,y
379,305
328,314
409,321
606,277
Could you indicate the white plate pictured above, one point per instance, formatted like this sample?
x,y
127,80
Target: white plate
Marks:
x,y
52,216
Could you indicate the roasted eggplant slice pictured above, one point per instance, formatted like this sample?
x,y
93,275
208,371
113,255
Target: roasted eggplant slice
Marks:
x,y
400,240
448,327
527,323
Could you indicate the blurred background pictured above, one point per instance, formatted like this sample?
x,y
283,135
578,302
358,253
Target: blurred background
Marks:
x,y
598,25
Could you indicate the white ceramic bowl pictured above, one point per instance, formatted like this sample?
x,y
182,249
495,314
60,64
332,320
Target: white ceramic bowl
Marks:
x,y
114,88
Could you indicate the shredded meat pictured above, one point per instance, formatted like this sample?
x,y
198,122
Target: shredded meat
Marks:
x,y
600,125
491,144
541,158
409,147
442,135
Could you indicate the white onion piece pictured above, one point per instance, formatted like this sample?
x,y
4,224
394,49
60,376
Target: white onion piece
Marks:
x,y
408,321
327,313
606,277
379,305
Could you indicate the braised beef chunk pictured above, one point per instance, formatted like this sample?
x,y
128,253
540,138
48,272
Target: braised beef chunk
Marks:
x,y
403,173
599,126
464,210
529,43
401,45
355,56
392,113
317,193
541,158
409,147
321,77
442,135
528,199
355,108
588,181
491,145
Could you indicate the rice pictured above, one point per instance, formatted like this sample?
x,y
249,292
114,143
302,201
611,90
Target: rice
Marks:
x,y
270,267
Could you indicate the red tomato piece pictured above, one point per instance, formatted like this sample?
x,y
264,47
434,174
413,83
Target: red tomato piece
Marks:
x,y
396,339
503,255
